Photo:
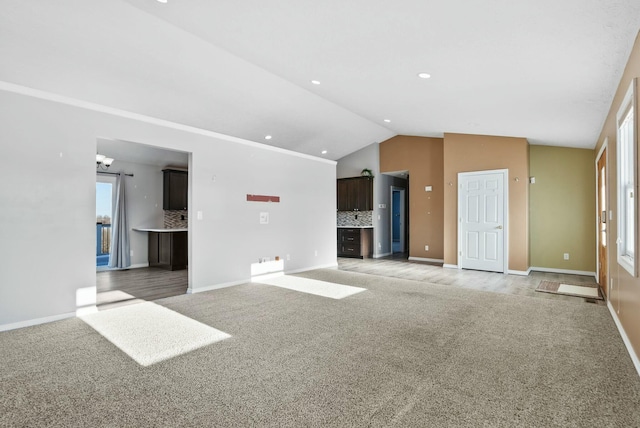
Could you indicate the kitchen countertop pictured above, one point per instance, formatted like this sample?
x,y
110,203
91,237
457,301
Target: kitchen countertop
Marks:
x,y
355,227
142,229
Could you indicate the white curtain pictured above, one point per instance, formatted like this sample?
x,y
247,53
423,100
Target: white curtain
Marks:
x,y
120,256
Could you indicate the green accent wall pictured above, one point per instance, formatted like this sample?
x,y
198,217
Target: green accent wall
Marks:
x,y
562,208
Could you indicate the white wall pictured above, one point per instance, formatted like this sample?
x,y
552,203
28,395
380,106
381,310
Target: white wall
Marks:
x,y
47,223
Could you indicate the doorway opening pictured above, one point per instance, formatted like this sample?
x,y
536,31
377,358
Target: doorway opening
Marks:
x,y
144,170
602,265
398,223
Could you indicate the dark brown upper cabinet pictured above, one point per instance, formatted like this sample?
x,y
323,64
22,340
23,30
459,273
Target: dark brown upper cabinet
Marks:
x,y
176,185
355,194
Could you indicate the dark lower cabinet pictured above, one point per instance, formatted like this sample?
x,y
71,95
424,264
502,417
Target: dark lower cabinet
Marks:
x,y
355,242
168,250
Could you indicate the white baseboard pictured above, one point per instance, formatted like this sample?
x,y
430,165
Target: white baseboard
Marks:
x,y
519,272
107,268
448,266
36,321
138,265
567,271
249,280
625,338
327,266
422,259
377,256
191,290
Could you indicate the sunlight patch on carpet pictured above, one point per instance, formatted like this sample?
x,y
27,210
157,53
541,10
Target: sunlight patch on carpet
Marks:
x,y
150,333
313,286
578,290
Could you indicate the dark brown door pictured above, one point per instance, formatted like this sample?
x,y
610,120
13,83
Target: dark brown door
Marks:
x,y
364,194
343,195
602,221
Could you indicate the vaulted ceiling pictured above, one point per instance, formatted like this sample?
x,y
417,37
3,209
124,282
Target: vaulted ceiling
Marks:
x,y
541,69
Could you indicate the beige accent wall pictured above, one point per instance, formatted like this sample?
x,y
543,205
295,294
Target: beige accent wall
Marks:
x,y
624,295
422,157
563,208
466,153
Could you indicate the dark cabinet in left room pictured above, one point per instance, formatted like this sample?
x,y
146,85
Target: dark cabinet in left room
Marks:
x,y
168,250
175,190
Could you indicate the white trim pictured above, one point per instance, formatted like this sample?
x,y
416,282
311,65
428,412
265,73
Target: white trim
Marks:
x,y
326,266
107,268
520,272
567,271
377,256
625,338
191,290
48,96
266,276
605,144
403,216
422,259
505,213
36,321
448,266
630,264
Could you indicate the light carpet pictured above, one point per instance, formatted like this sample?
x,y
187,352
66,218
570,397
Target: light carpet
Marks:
x,y
150,333
312,286
402,354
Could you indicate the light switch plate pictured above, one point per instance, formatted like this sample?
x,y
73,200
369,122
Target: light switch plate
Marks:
x,y
264,218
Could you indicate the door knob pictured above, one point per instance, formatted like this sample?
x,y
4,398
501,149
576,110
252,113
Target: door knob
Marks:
x,y
499,227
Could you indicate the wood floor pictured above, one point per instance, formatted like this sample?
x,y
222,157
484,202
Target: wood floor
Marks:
x,y
399,267
123,287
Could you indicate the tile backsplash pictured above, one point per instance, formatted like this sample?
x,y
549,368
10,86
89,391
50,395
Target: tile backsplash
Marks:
x,y
176,219
348,218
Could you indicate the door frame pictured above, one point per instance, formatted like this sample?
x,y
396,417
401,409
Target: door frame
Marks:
x,y
402,203
505,213
603,150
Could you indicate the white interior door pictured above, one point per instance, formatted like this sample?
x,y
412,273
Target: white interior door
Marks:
x,y
482,223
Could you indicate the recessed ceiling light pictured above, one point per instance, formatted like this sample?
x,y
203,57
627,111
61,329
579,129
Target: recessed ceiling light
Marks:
x,y
162,1
424,75
388,120
324,152
315,82
268,137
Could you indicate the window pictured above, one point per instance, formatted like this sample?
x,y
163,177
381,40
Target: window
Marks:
x,y
627,167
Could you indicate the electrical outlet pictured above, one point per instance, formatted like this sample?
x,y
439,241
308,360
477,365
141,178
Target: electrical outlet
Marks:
x,y
316,252
288,256
426,248
566,256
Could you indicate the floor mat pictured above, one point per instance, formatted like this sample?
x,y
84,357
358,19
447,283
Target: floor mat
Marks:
x,y
589,292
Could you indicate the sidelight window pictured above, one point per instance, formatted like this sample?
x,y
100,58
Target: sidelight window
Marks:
x,y
626,168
